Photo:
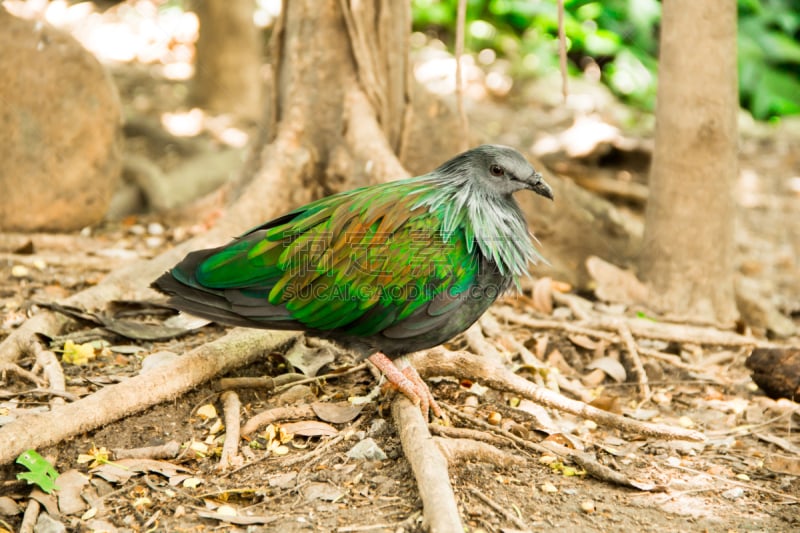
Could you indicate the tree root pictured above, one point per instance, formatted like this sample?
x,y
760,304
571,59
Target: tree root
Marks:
x,y
169,450
591,466
457,451
440,512
114,402
273,415
52,371
230,448
439,362
665,331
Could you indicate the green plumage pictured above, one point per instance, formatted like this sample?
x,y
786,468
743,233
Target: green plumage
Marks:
x,y
394,267
338,260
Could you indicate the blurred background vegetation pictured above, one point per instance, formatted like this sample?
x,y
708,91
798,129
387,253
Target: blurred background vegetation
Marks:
x,y
617,42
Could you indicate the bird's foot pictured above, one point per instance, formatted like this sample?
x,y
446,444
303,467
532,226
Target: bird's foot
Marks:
x,y
409,382
426,399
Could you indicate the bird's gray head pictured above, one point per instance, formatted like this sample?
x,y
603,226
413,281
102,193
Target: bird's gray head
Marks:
x,y
497,169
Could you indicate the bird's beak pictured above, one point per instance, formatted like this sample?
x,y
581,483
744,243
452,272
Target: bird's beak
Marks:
x,y
537,184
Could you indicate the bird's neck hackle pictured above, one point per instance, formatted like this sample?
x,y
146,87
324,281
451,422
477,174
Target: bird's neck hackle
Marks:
x,y
493,223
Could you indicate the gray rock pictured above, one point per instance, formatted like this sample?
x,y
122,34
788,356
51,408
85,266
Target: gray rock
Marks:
x,y
60,117
367,449
47,524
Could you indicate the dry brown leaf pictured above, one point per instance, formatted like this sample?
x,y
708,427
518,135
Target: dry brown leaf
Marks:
x,y
543,296
336,413
70,486
309,428
122,470
583,341
556,360
322,491
607,403
611,367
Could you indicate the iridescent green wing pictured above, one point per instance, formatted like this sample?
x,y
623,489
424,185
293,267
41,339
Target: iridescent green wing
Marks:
x,y
360,261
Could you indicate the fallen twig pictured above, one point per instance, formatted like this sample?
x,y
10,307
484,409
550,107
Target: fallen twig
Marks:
x,y
439,509
517,521
37,430
749,486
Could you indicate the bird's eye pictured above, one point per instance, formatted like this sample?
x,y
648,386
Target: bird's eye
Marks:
x,y
496,171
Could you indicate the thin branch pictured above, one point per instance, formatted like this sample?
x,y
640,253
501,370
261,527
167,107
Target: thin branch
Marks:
x,y
636,362
562,50
461,20
499,509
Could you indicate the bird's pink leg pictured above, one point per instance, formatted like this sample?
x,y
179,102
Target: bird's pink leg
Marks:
x,y
407,381
426,397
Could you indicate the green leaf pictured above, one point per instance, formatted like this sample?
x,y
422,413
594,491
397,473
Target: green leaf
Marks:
x,y
777,94
602,43
41,472
779,47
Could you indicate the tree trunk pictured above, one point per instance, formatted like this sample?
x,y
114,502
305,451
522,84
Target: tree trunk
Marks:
x,y
324,131
687,254
228,66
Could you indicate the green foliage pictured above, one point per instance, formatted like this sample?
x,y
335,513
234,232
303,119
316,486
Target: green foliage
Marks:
x,y
621,38
769,57
41,472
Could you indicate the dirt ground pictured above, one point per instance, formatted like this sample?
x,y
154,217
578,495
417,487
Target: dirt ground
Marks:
x,y
745,477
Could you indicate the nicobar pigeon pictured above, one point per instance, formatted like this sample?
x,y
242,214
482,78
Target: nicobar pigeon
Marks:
x,y
384,270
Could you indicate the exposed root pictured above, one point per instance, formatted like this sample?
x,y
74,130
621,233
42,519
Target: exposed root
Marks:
x,y
52,372
636,362
262,383
585,461
38,430
465,365
464,450
12,368
230,448
440,512
366,140
270,416
168,450
665,331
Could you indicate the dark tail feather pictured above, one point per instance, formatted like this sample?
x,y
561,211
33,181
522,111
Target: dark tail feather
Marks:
x,y
186,294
